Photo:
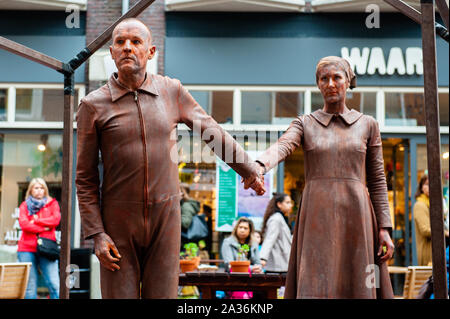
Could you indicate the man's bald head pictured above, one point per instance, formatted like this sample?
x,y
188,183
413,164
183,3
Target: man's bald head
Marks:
x,y
134,23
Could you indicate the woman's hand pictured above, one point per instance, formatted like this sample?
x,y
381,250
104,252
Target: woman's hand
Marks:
x,y
256,269
385,241
103,245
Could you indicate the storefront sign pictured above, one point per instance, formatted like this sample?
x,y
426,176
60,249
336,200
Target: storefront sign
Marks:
x,y
233,201
372,60
226,180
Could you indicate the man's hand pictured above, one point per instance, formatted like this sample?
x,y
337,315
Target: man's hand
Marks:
x,y
104,245
385,241
256,182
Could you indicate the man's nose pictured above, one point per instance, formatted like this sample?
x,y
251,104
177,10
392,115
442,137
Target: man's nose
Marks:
x,y
127,46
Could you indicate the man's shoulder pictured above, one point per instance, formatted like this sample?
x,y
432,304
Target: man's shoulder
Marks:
x,y
164,82
97,97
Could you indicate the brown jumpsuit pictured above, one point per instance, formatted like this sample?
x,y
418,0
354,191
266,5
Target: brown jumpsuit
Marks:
x,y
335,242
137,204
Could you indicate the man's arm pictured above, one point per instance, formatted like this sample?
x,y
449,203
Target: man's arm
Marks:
x,y
218,140
87,176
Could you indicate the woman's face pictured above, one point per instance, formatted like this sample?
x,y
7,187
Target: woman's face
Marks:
x,y
37,191
332,82
243,230
426,188
286,205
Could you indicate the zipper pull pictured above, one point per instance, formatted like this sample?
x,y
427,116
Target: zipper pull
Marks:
x,y
135,96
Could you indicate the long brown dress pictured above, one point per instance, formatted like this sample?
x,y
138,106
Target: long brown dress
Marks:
x,y
335,241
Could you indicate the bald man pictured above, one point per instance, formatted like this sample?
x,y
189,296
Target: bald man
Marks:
x,y
134,216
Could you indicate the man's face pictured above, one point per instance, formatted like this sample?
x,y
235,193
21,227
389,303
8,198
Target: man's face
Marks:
x,y
332,83
131,48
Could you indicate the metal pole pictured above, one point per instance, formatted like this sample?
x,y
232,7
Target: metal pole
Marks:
x,y
433,148
406,192
66,216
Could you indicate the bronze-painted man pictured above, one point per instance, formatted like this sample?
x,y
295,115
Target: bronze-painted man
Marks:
x,y
134,217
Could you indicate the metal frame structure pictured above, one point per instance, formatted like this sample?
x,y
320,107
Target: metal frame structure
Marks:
x,y
429,30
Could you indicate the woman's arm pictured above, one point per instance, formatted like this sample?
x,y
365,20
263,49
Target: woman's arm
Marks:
x,y
26,224
270,236
53,220
422,219
284,147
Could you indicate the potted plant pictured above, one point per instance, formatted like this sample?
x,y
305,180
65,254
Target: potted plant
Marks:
x,y
189,260
242,263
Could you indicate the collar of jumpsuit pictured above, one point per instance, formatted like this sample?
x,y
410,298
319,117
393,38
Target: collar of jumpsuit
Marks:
x,y
118,90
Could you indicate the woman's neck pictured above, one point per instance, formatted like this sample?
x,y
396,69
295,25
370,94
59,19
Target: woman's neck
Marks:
x,y
335,108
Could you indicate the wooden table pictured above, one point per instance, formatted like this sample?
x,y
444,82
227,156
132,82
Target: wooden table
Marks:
x,y
209,282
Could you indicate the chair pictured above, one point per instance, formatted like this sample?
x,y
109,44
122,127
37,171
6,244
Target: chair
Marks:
x,y
14,280
415,278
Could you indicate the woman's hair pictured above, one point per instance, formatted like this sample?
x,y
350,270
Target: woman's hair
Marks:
x,y
272,207
250,225
35,181
422,181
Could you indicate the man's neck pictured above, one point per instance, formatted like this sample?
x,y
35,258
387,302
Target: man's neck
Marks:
x,y
132,81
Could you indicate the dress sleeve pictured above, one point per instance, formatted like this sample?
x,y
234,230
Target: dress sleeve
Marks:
x,y
223,145
87,177
376,179
285,145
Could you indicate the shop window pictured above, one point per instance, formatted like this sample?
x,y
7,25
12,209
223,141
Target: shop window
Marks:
x,y
22,158
443,109
218,104
422,164
40,104
3,104
364,102
404,109
271,107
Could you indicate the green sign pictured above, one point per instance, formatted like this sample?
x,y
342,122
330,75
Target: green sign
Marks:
x,y
226,196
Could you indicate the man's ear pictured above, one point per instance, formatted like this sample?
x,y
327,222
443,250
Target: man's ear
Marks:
x,y
152,51
111,51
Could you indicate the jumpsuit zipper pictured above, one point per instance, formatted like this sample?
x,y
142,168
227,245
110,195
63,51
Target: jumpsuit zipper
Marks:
x,y
144,142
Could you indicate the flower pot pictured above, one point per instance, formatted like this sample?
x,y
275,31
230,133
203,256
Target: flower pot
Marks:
x,y
188,265
240,265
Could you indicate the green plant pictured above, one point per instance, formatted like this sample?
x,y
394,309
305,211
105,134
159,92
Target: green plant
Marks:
x,y
190,251
243,251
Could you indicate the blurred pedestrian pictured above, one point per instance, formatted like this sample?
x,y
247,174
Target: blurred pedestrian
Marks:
x,y
189,208
276,247
39,216
421,211
241,234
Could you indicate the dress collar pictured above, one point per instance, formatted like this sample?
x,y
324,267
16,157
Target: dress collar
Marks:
x,y
118,90
324,118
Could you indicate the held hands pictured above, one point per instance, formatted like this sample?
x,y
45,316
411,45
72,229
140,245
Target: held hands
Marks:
x,y
385,241
256,182
104,246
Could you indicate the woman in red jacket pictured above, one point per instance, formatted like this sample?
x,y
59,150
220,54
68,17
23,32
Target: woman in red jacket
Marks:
x,y
39,215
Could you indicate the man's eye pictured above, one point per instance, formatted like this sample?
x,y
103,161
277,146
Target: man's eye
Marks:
x,y
119,41
136,41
